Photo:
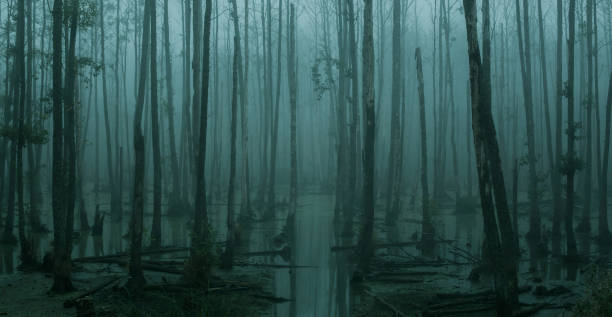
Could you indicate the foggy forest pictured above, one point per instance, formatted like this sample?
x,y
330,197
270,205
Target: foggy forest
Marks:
x,y
305,158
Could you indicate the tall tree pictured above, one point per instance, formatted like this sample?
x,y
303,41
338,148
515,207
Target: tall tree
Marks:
x,y
244,101
275,114
428,230
136,224
292,69
365,240
499,235
571,160
355,152
534,233
394,179
174,196
61,266
585,223
557,211
201,215
115,204
156,231
604,230
228,255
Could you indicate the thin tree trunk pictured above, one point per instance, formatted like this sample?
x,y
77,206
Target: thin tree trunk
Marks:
x,y
557,209
274,142
604,231
292,74
570,167
136,224
428,229
115,205
156,231
585,224
174,195
244,100
394,179
534,233
499,235
61,266
365,240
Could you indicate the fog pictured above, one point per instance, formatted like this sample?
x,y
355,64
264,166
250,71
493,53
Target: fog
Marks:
x,y
305,157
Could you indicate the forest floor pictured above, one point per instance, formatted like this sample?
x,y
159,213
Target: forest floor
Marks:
x,y
312,277
26,294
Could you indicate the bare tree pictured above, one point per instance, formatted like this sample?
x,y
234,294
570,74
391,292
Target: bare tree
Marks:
x,y
137,280
499,235
365,240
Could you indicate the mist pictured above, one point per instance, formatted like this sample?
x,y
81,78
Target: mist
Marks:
x,y
305,157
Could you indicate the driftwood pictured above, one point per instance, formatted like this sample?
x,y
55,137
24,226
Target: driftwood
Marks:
x,y
184,288
386,304
386,245
145,266
531,310
471,300
276,266
71,302
273,299
521,289
463,311
124,254
395,280
411,273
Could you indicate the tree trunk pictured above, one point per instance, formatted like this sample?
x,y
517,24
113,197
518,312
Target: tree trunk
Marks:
x,y
499,236
156,231
557,209
428,229
244,100
136,224
228,255
61,266
394,179
115,205
571,160
534,233
174,195
354,150
274,142
585,224
292,74
365,240
604,231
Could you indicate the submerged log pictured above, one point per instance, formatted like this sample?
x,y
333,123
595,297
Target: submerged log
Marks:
x,y
71,302
386,304
387,245
124,254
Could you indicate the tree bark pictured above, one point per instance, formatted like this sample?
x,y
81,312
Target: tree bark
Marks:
x,y
365,240
499,235
534,233
571,159
156,231
136,224
61,266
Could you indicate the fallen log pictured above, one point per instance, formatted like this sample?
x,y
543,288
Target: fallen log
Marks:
x,y
276,266
386,245
273,299
124,254
522,289
386,304
530,311
71,302
145,266
462,311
